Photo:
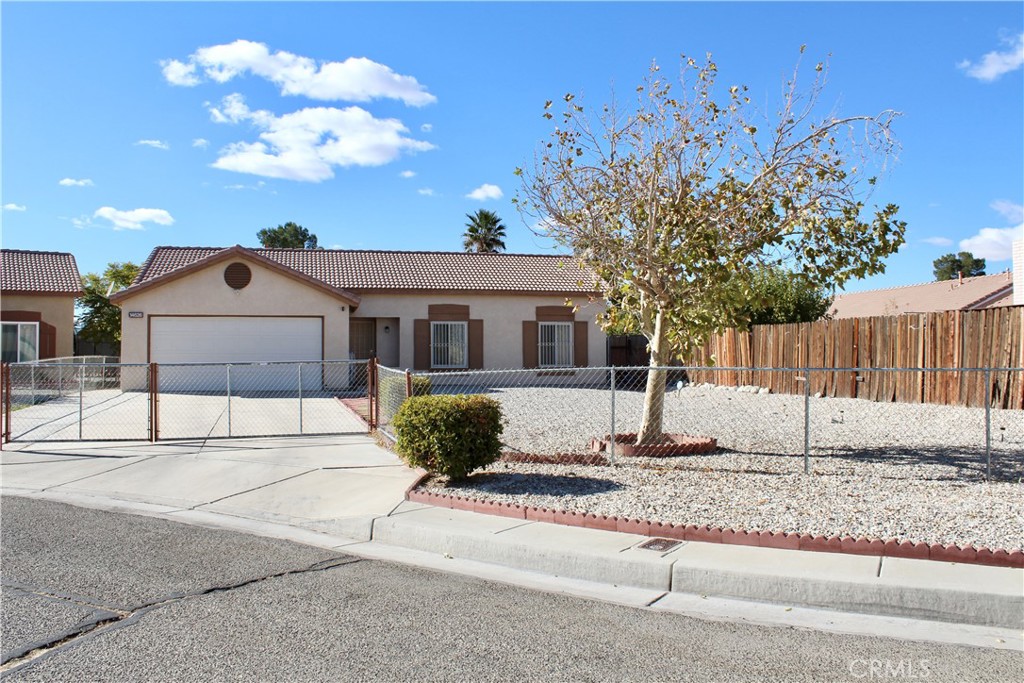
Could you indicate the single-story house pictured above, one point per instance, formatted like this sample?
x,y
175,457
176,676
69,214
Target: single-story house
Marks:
x,y
417,310
37,304
963,294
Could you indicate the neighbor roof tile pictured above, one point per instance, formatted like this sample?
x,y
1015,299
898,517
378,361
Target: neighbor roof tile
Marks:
x,y
48,272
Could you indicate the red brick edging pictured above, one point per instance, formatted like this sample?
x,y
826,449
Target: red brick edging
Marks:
x,y
705,534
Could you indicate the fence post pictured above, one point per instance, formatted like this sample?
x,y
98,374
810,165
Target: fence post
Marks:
x,y
32,371
81,399
154,388
149,399
988,424
376,394
60,381
5,401
807,421
300,398
611,443
408,384
229,399
371,372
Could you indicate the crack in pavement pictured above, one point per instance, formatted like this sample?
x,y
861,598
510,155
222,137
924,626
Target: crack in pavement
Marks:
x,y
121,618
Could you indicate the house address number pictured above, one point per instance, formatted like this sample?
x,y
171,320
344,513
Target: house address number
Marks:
x,y
134,314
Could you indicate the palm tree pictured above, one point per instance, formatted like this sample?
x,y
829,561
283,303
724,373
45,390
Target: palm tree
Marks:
x,y
484,232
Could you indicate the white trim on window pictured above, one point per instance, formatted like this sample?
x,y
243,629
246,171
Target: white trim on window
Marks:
x,y
554,344
22,352
449,344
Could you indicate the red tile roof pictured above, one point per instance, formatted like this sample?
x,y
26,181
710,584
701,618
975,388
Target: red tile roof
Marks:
x,y
419,270
982,291
48,272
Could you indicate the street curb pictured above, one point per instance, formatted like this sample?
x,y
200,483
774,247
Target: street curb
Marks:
x,y
674,596
765,539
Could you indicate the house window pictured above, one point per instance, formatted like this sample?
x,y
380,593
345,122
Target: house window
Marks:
x,y
554,345
448,344
20,342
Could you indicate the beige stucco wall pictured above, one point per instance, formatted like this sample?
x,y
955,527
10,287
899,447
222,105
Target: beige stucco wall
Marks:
x,y
204,292
58,311
503,317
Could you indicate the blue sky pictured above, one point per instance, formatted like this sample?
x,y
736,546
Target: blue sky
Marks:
x,y
127,126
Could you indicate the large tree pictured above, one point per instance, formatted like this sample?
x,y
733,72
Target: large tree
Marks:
x,y
484,232
287,236
950,266
677,203
778,296
100,320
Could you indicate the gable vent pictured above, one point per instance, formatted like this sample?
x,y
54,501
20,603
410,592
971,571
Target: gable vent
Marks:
x,y
237,275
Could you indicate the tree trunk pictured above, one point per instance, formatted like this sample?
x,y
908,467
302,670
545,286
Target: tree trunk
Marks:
x,y
654,397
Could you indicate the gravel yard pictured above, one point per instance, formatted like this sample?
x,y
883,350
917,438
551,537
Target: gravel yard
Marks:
x,y
880,470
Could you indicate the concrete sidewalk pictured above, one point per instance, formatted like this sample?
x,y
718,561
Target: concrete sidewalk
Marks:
x,y
336,484
347,493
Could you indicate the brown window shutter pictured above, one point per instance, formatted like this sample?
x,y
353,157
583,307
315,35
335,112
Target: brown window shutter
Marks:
x,y
530,344
47,341
476,344
579,344
421,344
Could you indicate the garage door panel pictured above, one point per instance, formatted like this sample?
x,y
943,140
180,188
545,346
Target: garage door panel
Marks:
x,y
237,340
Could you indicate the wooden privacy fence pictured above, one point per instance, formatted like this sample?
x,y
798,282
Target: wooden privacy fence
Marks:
x,y
957,341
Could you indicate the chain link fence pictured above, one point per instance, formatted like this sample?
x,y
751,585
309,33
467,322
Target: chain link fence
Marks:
x,y
109,402
569,415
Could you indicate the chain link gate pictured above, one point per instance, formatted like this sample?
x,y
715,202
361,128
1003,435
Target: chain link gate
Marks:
x,y
123,401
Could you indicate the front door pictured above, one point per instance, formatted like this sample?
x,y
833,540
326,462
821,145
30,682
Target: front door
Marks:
x,y
362,338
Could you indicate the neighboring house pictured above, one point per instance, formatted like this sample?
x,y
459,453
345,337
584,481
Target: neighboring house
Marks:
x,y
37,304
419,310
967,294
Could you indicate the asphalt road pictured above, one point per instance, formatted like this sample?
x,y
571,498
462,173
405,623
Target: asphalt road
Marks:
x,y
112,597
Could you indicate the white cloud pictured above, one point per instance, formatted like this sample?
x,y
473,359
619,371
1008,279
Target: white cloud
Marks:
x,y
427,127
485,192
201,143
426,191
993,244
178,73
307,144
994,64
260,185
357,79
15,207
133,219
1011,211
938,241
73,182
408,174
157,144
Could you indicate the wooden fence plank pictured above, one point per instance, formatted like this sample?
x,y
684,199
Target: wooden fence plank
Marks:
x,y
946,339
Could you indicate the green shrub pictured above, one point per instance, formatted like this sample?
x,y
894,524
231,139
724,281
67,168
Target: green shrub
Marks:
x,y
449,435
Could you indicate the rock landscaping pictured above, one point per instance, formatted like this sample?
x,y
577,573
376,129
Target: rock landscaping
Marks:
x,y
878,470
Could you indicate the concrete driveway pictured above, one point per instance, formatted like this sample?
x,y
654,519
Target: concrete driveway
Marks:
x,y
112,414
336,484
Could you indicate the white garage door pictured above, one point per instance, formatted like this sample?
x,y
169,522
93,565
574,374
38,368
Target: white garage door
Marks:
x,y
236,340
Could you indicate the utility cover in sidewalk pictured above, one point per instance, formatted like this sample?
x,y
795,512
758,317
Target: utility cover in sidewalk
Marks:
x,y
659,544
